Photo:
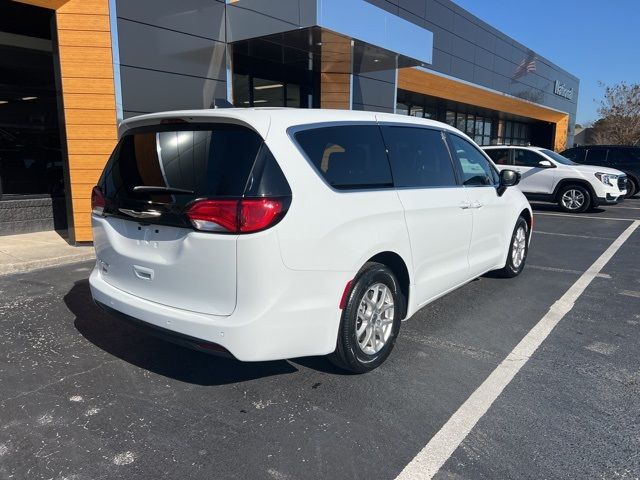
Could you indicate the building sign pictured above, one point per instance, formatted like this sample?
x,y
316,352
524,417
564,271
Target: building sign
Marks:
x,y
562,90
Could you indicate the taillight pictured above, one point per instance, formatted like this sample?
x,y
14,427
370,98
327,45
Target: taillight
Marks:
x,y
236,216
97,201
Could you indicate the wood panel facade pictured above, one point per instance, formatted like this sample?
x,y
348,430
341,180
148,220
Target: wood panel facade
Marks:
x,y
427,83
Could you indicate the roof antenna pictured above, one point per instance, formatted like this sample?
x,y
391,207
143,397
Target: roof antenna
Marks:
x,y
221,103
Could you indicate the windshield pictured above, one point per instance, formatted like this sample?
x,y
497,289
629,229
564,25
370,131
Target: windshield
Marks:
x,y
557,157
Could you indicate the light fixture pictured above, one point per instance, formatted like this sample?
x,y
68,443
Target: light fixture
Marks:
x,y
266,87
260,101
29,98
376,60
2,102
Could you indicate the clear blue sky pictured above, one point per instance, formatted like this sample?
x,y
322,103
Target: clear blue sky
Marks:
x,y
595,40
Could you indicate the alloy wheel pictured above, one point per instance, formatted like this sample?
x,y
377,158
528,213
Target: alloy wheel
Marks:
x,y
519,247
374,321
573,199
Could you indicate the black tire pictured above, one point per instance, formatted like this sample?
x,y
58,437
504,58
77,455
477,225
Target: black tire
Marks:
x,y
511,268
349,355
579,193
632,187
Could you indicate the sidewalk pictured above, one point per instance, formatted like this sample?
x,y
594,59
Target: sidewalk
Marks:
x,y
21,253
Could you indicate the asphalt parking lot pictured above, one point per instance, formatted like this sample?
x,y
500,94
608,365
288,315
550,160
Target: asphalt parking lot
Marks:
x,y
84,396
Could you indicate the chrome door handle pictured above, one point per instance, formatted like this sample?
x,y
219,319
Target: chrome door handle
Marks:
x,y
465,205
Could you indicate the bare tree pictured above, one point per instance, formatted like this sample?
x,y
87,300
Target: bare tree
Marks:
x,y
619,122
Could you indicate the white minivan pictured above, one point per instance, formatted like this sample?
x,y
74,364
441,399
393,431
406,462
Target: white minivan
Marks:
x,y
549,177
278,233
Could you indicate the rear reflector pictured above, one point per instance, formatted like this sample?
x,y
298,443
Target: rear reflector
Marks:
x,y
345,295
236,216
97,201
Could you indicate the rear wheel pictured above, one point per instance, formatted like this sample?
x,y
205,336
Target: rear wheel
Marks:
x,y
632,188
370,321
574,199
518,249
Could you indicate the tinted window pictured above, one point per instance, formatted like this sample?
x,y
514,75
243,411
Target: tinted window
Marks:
x,y
596,156
574,154
476,169
419,157
500,156
621,156
348,156
526,158
203,161
557,157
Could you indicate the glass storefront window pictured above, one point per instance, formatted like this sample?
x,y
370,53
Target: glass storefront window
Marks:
x,y
416,112
402,109
293,95
30,152
451,118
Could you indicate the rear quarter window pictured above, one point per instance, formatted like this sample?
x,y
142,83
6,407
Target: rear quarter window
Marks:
x,y
348,157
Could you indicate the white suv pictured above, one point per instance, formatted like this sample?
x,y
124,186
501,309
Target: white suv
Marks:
x,y
549,177
277,233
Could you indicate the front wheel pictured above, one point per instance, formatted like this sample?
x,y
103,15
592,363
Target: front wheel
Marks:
x,y
370,321
574,199
518,249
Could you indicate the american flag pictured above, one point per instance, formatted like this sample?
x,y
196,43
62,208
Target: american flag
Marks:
x,y
527,65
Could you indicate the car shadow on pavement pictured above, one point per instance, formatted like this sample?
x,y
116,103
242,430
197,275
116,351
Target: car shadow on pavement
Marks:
x,y
122,340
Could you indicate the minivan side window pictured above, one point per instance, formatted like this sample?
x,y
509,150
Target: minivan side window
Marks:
x,y
348,157
500,156
476,169
419,157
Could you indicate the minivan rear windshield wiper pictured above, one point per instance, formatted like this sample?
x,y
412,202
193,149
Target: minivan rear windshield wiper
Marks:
x,y
151,189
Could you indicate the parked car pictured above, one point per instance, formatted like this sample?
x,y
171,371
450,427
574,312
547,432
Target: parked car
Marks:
x,y
279,233
549,177
625,159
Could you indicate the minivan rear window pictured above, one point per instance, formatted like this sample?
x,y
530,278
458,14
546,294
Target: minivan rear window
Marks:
x,y
169,166
212,162
348,156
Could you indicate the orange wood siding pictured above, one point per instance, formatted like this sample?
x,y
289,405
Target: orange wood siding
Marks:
x,y
86,68
51,4
335,68
429,84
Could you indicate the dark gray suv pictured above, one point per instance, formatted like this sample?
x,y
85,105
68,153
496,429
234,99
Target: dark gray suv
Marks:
x,y
625,159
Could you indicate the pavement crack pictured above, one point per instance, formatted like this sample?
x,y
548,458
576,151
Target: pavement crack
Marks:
x,y
47,385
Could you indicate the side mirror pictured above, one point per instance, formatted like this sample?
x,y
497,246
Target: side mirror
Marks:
x,y
545,164
508,178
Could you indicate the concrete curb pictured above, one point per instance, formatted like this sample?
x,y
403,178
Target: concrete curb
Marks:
x,y
31,265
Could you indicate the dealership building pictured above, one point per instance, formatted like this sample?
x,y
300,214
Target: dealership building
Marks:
x,y
71,70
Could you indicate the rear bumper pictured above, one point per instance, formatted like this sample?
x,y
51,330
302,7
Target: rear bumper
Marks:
x,y
291,324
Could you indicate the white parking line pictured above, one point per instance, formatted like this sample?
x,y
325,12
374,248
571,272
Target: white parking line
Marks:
x,y
624,206
540,232
433,456
565,270
535,214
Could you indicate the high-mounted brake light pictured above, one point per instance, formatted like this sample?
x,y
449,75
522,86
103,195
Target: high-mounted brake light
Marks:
x,y
246,215
97,201
172,121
